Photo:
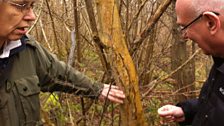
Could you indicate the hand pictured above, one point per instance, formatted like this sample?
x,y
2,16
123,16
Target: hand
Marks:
x,y
171,113
115,94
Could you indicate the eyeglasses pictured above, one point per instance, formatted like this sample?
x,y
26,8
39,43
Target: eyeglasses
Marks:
x,y
183,28
23,7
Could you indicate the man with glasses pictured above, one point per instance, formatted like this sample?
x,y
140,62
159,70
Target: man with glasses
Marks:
x,y
202,21
26,68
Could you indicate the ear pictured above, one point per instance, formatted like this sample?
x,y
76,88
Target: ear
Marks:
x,y
213,22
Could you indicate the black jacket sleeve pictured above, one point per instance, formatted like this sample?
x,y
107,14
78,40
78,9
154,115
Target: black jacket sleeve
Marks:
x,y
190,108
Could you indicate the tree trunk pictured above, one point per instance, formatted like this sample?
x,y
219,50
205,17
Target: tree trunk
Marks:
x,y
123,68
185,77
147,70
77,34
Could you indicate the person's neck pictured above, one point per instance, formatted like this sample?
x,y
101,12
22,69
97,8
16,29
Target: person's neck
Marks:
x,y
2,43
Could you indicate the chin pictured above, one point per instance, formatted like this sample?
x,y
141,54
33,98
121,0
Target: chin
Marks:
x,y
15,37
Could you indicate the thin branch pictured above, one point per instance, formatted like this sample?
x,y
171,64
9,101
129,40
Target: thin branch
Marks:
x,y
53,26
44,35
137,14
162,79
151,23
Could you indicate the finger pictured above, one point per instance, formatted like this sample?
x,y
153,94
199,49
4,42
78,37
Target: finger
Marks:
x,y
107,89
114,99
164,112
179,119
168,117
117,93
118,98
114,93
111,86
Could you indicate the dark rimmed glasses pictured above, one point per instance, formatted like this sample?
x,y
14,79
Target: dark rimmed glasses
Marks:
x,y
183,28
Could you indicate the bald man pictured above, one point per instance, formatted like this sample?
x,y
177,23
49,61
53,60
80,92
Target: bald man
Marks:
x,y
203,22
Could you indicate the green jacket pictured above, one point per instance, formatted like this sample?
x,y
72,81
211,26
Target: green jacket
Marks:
x,y
34,69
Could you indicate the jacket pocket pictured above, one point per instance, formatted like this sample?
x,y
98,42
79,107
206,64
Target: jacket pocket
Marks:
x,y
28,90
28,86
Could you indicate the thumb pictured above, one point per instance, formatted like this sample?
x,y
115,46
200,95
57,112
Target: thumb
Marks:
x,y
165,110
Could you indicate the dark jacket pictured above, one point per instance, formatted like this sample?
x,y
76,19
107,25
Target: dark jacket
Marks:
x,y
208,110
34,69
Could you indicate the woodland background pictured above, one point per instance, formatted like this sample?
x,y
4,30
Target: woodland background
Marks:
x,y
133,43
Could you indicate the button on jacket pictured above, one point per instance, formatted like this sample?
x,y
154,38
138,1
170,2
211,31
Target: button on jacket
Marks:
x,y
34,69
208,110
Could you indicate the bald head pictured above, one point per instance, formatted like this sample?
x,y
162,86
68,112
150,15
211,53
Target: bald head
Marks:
x,y
199,6
198,15
193,8
184,10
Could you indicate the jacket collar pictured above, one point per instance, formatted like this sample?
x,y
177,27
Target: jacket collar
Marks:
x,y
8,47
13,47
219,63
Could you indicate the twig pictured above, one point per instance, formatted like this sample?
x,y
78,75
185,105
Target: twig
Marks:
x,y
159,80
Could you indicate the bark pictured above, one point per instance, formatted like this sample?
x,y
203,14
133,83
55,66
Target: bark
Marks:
x,y
123,68
76,22
99,45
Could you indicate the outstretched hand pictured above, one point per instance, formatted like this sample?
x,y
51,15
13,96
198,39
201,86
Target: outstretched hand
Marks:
x,y
115,94
171,113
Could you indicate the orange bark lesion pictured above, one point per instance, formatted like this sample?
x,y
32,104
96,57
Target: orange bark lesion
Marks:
x,y
123,68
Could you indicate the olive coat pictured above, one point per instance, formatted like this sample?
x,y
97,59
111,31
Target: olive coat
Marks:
x,y
34,69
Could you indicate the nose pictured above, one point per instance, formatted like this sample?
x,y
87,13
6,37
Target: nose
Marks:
x,y
30,16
